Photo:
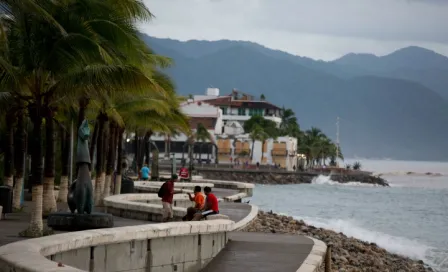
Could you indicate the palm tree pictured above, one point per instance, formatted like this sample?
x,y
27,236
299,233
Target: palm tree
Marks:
x,y
289,125
47,57
9,148
202,135
49,201
19,155
317,147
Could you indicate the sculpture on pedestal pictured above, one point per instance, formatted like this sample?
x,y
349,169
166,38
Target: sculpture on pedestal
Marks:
x,y
80,195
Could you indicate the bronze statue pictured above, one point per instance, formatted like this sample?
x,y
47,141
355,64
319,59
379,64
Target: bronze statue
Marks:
x,y
80,195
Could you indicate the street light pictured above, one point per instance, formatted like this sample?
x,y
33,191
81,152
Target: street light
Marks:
x,y
173,163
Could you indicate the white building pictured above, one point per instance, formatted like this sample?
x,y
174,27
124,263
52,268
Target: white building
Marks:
x,y
224,118
240,107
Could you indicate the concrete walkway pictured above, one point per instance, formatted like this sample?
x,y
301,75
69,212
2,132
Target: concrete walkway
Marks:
x,y
16,222
261,252
245,252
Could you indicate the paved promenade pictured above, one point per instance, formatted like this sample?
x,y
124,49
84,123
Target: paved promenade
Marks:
x,y
245,252
16,222
261,252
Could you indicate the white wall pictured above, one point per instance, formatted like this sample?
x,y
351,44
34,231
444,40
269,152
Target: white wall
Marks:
x,y
202,110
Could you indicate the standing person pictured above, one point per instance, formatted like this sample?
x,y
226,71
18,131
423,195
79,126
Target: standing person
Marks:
x,y
145,172
166,192
183,173
211,205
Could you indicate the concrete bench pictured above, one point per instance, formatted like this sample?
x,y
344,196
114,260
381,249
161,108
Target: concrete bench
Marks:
x,y
217,216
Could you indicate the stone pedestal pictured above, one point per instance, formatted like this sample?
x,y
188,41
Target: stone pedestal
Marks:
x,y
67,221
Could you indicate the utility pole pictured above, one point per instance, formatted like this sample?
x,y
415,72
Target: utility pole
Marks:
x,y
337,137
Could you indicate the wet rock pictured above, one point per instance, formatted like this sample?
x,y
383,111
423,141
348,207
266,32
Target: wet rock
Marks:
x,y
286,177
348,254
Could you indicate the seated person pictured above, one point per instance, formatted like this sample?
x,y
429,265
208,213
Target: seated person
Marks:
x,y
183,173
199,201
211,205
145,172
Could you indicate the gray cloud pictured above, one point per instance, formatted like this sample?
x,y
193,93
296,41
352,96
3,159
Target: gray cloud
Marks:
x,y
318,28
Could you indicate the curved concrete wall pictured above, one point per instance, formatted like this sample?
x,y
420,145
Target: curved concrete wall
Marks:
x,y
242,189
175,246
186,246
144,206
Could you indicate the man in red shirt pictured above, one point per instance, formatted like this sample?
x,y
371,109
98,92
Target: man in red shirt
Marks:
x,y
211,205
183,173
166,192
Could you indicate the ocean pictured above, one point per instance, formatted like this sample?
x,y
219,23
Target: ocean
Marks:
x,y
409,218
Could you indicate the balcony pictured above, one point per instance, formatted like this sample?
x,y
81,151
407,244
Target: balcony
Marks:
x,y
279,152
235,117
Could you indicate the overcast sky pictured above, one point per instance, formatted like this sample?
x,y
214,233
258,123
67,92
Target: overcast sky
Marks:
x,y
321,29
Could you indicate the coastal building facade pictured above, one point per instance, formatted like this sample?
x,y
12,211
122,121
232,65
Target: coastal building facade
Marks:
x,y
224,118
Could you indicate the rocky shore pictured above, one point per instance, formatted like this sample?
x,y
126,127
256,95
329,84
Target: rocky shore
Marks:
x,y
264,177
348,254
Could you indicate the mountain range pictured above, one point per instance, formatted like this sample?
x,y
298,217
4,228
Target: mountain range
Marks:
x,y
394,106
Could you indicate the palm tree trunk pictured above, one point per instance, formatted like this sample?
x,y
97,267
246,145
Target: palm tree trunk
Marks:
x,y
136,153
65,156
146,144
262,151
200,152
208,152
110,160
35,229
140,153
117,187
9,150
99,167
19,154
49,201
252,151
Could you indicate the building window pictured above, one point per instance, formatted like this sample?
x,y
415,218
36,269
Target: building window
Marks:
x,y
253,112
241,111
224,111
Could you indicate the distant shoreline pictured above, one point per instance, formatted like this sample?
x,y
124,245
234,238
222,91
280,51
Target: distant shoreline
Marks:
x,y
409,173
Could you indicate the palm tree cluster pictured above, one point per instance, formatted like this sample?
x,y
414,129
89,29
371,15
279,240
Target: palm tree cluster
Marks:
x,y
318,148
313,143
62,62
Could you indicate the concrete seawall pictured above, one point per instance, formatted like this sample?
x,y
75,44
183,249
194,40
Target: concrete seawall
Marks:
x,y
163,247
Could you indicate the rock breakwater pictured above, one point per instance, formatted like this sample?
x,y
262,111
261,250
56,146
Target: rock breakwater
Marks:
x,y
348,254
265,177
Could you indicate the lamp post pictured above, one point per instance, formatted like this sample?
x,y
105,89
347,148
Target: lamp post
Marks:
x,y
173,163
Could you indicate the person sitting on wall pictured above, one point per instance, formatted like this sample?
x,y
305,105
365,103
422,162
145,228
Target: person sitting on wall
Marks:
x,y
199,202
183,173
211,205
